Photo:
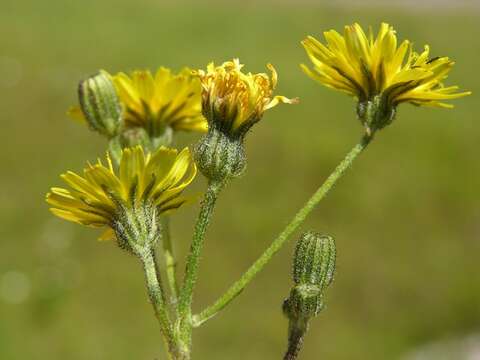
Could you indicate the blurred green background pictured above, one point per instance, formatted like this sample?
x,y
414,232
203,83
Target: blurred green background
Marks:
x,y
406,218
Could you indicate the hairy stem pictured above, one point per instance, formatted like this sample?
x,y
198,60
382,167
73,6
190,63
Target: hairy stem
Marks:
x,y
295,342
277,244
193,260
170,262
157,298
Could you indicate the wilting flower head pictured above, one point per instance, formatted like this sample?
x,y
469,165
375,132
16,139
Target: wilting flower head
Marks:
x,y
233,100
379,70
155,102
144,187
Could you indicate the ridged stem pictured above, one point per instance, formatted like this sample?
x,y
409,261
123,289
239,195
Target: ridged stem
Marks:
x,y
156,295
295,342
193,260
277,244
170,261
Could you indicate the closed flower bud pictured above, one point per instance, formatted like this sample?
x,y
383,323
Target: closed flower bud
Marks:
x,y
100,104
305,302
314,260
313,269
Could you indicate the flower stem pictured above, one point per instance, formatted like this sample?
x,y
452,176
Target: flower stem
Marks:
x,y
170,262
193,260
277,244
295,341
157,298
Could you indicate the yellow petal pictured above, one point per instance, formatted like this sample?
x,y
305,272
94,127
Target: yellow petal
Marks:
x,y
107,235
76,113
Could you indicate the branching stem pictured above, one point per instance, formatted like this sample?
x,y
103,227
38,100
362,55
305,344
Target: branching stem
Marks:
x,y
277,244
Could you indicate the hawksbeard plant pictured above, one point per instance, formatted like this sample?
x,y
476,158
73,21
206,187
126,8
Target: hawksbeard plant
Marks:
x,y
143,181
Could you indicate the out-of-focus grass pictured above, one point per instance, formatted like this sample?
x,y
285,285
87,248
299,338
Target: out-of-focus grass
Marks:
x,y
405,218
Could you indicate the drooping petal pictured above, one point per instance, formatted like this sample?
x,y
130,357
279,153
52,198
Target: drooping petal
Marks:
x,y
368,66
101,197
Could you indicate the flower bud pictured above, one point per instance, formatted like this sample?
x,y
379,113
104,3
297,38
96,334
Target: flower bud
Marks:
x,y
376,113
100,104
305,302
313,269
314,260
220,157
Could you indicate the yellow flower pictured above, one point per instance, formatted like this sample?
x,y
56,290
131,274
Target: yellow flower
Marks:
x,y
233,100
165,99
366,67
102,197
155,102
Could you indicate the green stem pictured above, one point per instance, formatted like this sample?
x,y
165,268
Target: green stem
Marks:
x,y
296,336
276,245
115,150
157,298
193,260
170,262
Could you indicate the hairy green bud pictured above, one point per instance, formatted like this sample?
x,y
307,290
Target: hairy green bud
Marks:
x,y
220,157
305,302
313,270
314,260
100,103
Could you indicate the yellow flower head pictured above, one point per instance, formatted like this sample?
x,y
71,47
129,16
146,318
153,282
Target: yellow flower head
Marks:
x,y
366,67
102,197
232,100
163,99
154,102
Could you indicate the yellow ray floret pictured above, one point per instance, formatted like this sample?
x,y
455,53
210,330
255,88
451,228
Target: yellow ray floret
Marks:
x,y
237,98
155,101
162,99
365,66
95,198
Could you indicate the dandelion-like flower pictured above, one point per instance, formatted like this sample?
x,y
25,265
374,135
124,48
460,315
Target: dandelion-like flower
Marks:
x,y
158,101
233,100
379,73
129,201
